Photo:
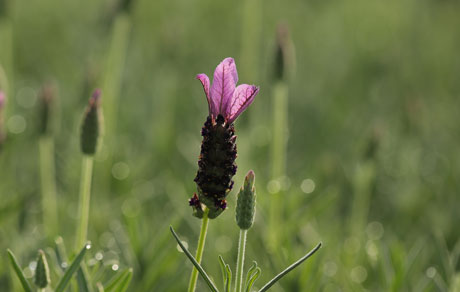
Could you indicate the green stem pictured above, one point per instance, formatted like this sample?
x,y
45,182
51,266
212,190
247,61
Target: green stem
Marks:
x,y
48,185
83,205
278,158
240,261
199,250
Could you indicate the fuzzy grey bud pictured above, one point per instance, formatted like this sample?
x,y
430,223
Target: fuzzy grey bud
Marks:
x,y
246,204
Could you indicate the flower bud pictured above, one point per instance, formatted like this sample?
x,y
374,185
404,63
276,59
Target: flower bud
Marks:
x,y
284,63
246,204
42,273
47,98
91,128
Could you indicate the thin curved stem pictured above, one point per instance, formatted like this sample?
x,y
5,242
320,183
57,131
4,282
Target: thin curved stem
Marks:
x,y
199,250
240,261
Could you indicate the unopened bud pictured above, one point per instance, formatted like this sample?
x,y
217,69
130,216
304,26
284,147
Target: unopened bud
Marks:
x,y
42,273
246,204
47,98
284,54
91,128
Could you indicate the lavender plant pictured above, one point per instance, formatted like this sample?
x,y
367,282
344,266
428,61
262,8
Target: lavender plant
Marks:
x,y
91,131
90,134
226,102
245,213
214,177
46,151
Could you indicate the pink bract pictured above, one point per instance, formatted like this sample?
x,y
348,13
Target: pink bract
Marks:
x,y
224,97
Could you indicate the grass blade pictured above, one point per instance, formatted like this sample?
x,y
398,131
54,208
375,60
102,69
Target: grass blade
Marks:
x,y
290,268
195,263
82,279
125,281
72,269
18,271
116,281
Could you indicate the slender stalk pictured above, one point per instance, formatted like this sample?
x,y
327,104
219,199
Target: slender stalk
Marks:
x,y
278,157
48,185
199,250
83,205
240,261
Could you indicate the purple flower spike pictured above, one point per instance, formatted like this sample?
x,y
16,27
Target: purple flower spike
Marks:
x,y
224,98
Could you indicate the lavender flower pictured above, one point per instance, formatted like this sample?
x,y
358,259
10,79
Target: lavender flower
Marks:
x,y
226,102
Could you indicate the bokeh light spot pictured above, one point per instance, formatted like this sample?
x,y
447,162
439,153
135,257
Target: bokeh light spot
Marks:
x,y
223,244
185,243
120,170
352,245
375,230
307,186
16,124
26,97
431,272
131,207
273,186
358,274
330,268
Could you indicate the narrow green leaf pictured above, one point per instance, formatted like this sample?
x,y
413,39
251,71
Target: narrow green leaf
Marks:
x,y
72,269
254,275
61,253
125,282
250,271
82,279
195,263
226,274
18,270
99,287
228,284
290,268
115,281
223,269
251,276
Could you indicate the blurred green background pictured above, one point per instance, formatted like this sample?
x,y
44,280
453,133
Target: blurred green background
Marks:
x,y
372,163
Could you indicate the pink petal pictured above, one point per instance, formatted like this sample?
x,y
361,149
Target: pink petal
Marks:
x,y
223,85
242,97
204,79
